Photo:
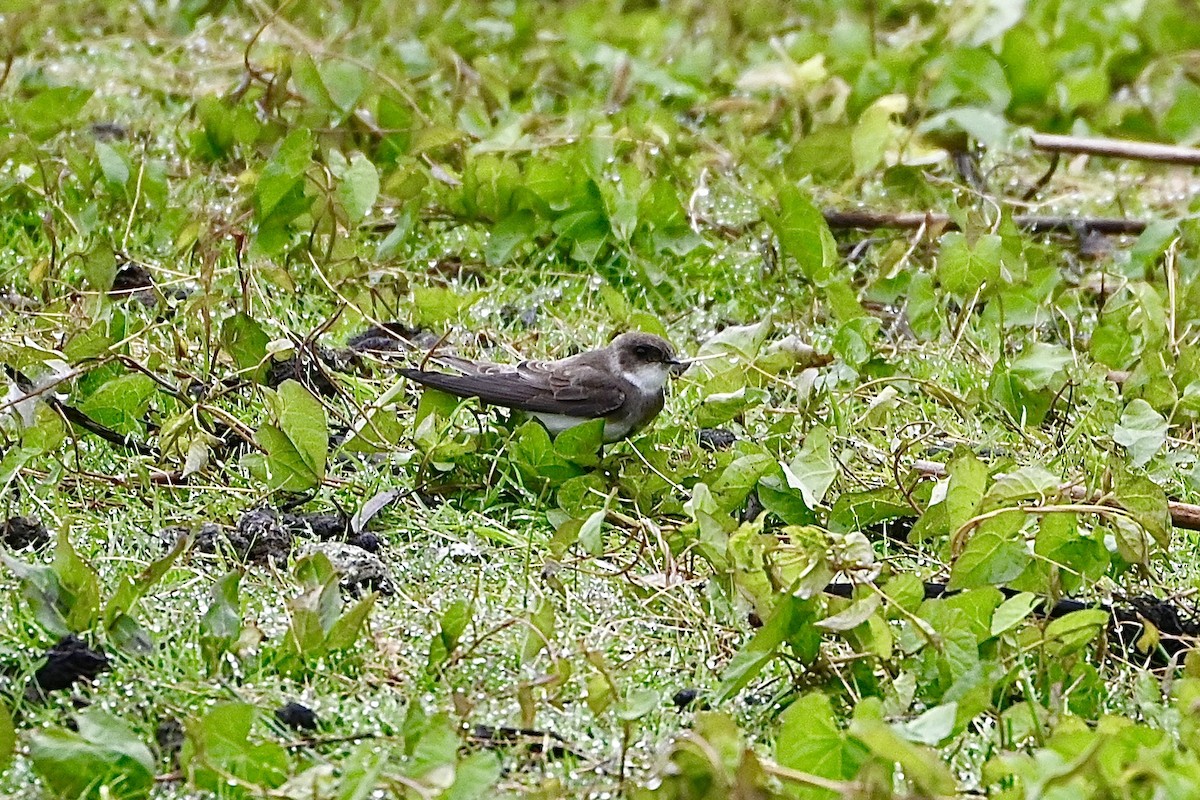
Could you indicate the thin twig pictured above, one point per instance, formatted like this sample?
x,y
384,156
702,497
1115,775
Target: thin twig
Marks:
x,y
1116,148
1183,515
1034,223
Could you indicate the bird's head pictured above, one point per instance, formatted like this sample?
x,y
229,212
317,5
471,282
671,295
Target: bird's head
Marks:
x,y
646,360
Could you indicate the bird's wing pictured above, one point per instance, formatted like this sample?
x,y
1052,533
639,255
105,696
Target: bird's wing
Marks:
x,y
533,386
468,367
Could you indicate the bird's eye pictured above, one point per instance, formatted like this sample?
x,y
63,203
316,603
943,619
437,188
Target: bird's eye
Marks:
x,y
642,351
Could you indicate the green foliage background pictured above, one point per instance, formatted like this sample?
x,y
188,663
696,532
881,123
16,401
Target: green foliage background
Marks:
x,y
530,178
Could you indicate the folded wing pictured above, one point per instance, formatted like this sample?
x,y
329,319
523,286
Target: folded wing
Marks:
x,y
533,386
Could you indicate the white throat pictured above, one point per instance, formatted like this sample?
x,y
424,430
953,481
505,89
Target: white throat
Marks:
x,y
647,377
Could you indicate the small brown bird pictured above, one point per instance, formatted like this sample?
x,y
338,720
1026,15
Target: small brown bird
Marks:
x,y
622,384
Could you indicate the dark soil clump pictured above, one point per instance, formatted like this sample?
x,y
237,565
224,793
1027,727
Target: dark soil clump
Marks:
x,y
297,717
717,438
260,536
18,533
67,662
310,365
265,534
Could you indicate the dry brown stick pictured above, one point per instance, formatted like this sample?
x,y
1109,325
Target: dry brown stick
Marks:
x,y
1116,148
1183,515
1034,223
874,220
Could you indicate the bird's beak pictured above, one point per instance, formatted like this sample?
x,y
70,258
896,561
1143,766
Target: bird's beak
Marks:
x,y
678,366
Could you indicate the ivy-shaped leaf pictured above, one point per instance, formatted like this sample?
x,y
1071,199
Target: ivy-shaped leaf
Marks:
x,y
298,446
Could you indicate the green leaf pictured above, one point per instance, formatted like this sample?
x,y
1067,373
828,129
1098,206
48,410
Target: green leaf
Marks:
x,y
130,636
842,300
791,615
121,403
990,558
1145,501
510,233
283,174
811,741
742,341
358,188
712,525
599,696
926,313
112,164
873,135
378,433
434,306
302,418
474,776
1041,365
932,727
921,765
334,86
1033,482
963,269
720,407
8,737
100,270
246,342
218,746
436,752
1028,65
1013,611
45,434
307,80
636,704
540,631
349,626
41,589
49,110
856,511
345,82
580,444
94,340
403,226
1142,431
298,446
79,583
1111,344
852,616
803,233
285,468
1068,633
969,76
360,772
964,490
854,340
591,532
221,624
812,471
534,454
102,759
453,624
131,589
784,502
739,479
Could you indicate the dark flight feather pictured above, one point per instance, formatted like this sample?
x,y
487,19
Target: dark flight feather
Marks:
x,y
588,393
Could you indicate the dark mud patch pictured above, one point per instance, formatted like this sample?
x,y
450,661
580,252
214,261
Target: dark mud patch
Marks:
x,y
68,662
19,533
296,716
